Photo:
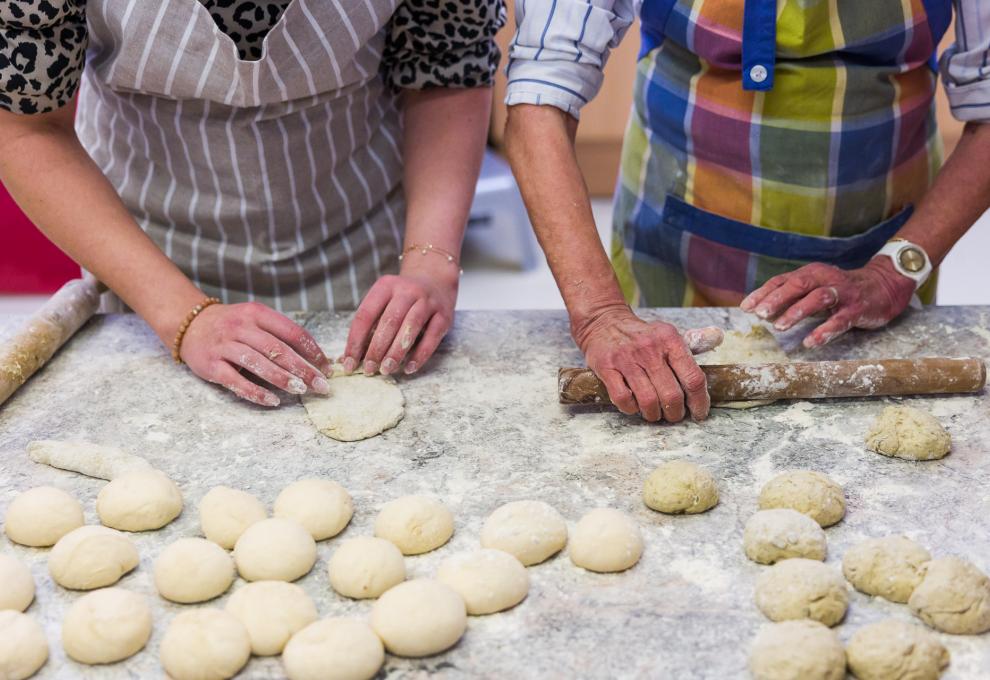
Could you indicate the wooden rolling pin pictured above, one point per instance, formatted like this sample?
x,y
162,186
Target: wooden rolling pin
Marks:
x,y
47,330
808,380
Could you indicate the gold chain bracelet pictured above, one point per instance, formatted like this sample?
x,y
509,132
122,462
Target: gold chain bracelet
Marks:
x,y
184,326
430,248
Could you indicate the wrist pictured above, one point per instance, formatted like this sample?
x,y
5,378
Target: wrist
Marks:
x,y
166,318
585,321
898,284
432,265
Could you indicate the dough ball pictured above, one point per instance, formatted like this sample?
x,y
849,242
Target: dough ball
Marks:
x,y
365,567
42,515
488,580
106,626
23,647
953,597
272,612
532,531
908,432
18,585
323,507
204,644
680,487
802,589
895,650
796,650
275,550
225,513
810,493
890,567
416,524
193,570
774,535
334,649
606,540
139,501
358,407
421,617
91,557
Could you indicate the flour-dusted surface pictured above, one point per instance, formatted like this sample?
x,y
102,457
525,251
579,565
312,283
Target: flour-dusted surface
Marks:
x,y
482,428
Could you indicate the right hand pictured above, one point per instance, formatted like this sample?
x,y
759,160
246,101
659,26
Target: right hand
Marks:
x,y
224,339
647,367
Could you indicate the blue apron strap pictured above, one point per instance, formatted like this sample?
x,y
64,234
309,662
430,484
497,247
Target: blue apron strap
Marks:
x,y
939,13
759,44
653,17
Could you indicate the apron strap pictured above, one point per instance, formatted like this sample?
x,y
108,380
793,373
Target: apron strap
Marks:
x,y
759,44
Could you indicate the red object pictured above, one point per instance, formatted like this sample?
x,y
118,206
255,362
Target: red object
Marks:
x,y
29,262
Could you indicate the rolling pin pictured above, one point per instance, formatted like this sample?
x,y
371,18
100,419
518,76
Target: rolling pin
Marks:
x,y
45,331
808,380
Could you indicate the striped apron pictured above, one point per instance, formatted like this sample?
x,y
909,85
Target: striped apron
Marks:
x,y
767,134
275,180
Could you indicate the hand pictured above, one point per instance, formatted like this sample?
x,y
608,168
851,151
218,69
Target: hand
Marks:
x,y
868,297
648,367
402,318
251,336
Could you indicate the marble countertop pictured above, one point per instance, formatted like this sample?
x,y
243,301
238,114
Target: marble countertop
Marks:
x,y
483,427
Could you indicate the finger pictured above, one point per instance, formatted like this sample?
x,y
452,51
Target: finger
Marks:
x,y
436,329
797,285
701,340
228,376
365,318
286,358
757,296
250,359
668,390
837,324
408,331
818,300
692,381
647,400
386,332
295,336
618,391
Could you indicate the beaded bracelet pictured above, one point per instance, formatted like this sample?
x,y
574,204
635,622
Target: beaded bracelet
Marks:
x,y
430,248
184,326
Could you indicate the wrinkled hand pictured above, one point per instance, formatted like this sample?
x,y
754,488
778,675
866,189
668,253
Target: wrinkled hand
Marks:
x,y
402,318
647,368
255,338
868,297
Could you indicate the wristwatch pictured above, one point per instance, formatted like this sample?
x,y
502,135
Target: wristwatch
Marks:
x,y
909,259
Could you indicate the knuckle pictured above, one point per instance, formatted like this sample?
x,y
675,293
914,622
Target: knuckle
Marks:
x,y
695,381
671,397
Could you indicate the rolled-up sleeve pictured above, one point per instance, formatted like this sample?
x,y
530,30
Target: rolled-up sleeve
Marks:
x,y
560,49
965,66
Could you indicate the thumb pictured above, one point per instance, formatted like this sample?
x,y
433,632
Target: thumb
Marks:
x,y
701,340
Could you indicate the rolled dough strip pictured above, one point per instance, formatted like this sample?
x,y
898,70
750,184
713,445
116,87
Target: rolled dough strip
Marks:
x,y
92,460
45,332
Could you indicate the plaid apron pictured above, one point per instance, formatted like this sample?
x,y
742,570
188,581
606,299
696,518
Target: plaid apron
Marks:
x,y
767,134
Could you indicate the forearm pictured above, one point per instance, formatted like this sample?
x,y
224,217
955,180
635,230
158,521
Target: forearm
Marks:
x,y
957,198
539,142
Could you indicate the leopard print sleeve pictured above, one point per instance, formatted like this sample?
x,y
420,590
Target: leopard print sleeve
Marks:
x,y
42,53
443,43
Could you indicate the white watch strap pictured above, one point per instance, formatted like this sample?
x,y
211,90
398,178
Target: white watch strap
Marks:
x,y
896,249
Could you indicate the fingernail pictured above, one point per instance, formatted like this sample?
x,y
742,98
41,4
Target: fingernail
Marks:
x,y
271,400
781,326
370,367
411,367
321,386
388,366
746,305
350,363
762,312
296,386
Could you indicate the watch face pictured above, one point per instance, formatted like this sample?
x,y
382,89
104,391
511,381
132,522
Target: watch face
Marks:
x,y
912,259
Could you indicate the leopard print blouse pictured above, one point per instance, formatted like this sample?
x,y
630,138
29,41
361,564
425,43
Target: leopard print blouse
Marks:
x,y
429,43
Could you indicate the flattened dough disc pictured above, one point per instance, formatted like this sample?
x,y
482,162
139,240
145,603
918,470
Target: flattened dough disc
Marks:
x,y
358,407
758,346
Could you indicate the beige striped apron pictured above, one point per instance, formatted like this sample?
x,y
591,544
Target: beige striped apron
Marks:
x,y
275,180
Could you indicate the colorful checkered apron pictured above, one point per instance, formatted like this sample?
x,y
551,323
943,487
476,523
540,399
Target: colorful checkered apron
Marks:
x,y
766,134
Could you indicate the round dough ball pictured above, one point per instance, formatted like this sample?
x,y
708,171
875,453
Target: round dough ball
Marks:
x,y
953,597
606,540
23,647
225,513
323,507
795,650
91,557
416,524
532,531
272,612
810,493
774,535
193,570
909,433
488,580
42,515
365,567
275,550
18,585
895,650
680,487
204,644
106,626
139,501
334,649
890,567
421,617
802,589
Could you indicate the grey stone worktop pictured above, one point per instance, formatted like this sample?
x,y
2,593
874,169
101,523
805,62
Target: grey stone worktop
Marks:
x,y
483,427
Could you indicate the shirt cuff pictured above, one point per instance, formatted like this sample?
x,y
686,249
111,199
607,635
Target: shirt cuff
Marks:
x,y
565,85
971,102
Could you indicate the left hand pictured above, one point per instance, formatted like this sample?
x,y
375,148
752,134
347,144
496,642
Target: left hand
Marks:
x,y
402,318
868,297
